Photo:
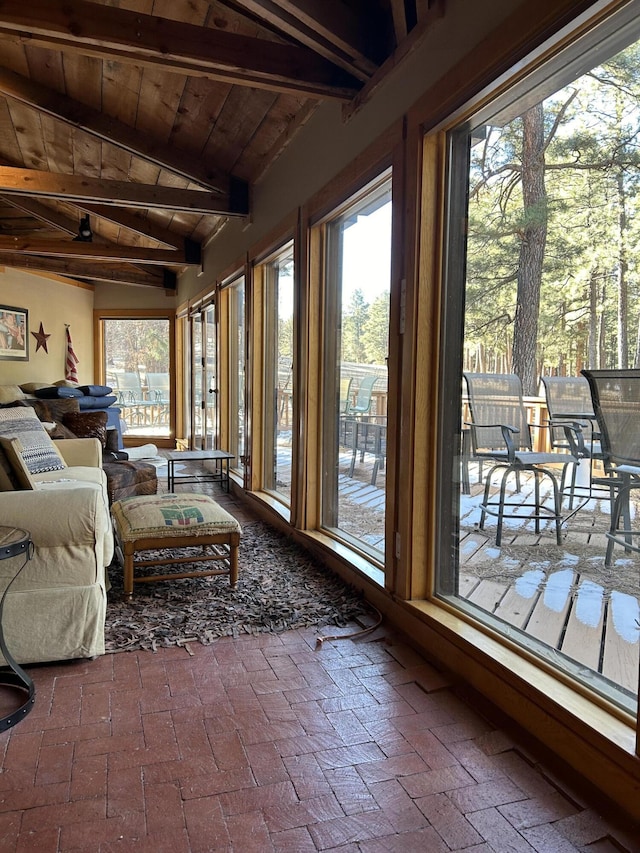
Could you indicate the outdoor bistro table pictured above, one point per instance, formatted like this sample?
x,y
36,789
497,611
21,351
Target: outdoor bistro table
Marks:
x,y
13,543
220,474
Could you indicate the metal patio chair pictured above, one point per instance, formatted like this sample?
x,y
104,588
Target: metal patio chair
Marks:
x,y
616,402
500,434
569,405
362,404
159,393
131,398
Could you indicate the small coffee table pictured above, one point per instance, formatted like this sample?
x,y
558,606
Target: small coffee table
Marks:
x,y
220,474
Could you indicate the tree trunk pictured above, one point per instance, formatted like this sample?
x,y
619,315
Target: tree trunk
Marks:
x,y
602,332
623,297
532,246
593,319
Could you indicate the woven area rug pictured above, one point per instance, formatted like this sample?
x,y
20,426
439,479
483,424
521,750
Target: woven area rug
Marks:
x,y
280,587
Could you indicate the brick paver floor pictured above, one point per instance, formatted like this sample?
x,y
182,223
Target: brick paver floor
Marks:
x,y
268,744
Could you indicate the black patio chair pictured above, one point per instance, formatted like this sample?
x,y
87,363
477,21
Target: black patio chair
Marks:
x,y
616,402
569,405
501,434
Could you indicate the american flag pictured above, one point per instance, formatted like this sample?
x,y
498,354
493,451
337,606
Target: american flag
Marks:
x,y
71,360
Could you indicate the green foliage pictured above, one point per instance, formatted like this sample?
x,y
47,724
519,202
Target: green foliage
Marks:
x,y
365,329
133,345
592,178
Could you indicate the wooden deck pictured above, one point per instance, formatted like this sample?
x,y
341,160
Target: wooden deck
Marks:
x,y
586,617
553,594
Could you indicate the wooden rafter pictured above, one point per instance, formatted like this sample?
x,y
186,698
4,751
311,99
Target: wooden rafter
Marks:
x,y
328,27
104,127
406,45
147,40
133,222
97,252
45,214
399,20
117,216
76,189
87,270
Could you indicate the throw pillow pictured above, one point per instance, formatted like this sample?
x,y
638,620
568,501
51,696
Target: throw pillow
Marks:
x,y
14,451
38,450
52,392
95,390
31,387
113,438
9,393
87,425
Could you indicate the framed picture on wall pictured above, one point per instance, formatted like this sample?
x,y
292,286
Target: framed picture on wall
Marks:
x,y
14,334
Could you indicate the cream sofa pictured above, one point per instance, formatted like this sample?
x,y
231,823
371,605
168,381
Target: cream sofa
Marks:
x,y
55,608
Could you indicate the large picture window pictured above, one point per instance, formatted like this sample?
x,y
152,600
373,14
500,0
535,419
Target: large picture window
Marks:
x,y
136,363
543,283
278,284
237,363
358,269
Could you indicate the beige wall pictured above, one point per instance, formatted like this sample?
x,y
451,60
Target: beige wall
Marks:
x,y
54,304
124,296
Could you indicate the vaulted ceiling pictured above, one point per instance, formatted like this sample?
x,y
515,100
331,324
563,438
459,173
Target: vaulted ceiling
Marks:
x,y
153,118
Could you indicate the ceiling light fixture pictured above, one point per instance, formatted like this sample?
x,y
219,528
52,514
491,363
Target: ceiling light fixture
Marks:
x,y
85,234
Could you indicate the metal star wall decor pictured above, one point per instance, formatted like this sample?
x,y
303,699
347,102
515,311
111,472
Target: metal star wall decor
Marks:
x,y
41,339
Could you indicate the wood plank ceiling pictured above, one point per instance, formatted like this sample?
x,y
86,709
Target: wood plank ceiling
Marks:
x,y
153,118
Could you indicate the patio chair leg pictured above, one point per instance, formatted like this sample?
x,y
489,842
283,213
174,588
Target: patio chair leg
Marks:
x,y
615,521
518,483
485,500
503,488
557,503
536,492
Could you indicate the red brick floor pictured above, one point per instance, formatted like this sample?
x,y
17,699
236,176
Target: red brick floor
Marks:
x,y
265,744
269,744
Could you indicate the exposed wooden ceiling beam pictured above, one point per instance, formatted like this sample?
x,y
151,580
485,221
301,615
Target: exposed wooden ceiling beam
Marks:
x,y
121,35
117,215
86,270
71,112
436,9
76,188
133,222
328,27
43,213
399,20
96,252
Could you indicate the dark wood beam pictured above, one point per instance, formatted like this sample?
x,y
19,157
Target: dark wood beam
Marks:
x,y
399,20
76,189
67,110
120,35
96,252
118,216
87,270
45,214
328,27
133,222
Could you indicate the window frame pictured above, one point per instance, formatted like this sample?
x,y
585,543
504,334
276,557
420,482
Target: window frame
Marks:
x,y
590,734
100,315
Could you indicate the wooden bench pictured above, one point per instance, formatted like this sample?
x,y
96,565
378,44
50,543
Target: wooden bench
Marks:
x,y
155,522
